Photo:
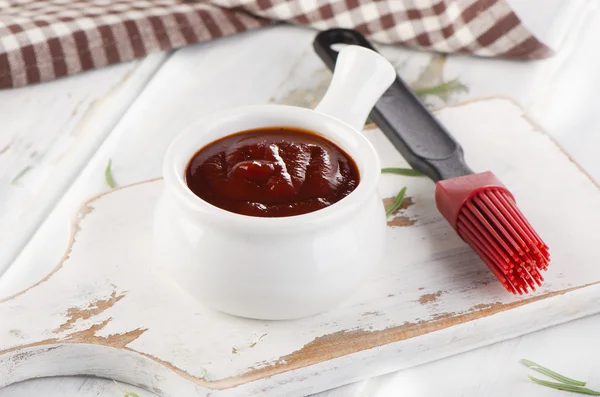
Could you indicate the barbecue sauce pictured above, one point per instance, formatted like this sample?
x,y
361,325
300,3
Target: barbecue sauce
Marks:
x,y
272,172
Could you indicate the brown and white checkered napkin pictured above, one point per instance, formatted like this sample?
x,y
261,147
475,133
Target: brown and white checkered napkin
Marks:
x,y
41,40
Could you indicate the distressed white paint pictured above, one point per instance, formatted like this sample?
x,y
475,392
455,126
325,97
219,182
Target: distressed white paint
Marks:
x,y
59,126
494,371
110,254
71,386
491,371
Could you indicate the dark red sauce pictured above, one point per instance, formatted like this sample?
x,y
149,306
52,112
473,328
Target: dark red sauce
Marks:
x,y
272,172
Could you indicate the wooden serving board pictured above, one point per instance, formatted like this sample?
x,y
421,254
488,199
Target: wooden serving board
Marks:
x,y
102,312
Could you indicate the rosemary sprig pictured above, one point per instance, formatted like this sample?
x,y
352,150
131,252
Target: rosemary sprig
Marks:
x,y
108,176
448,86
566,384
20,175
551,374
126,393
401,171
565,387
397,203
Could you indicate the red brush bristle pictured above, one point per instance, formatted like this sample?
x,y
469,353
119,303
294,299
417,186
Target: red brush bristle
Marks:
x,y
495,228
485,215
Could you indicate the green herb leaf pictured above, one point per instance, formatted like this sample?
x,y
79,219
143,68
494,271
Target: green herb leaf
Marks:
x,y
447,87
204,374
20,175
397,203
110,181
125,393
401,171
548,372
565,387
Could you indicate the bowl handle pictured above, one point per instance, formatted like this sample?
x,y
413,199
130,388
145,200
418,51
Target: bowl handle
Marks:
x,y
360,77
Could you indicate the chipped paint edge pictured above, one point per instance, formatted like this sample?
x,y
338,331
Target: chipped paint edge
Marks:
x,y
76,220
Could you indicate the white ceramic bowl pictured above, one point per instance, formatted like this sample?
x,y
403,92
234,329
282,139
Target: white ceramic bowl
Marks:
x,y
289,267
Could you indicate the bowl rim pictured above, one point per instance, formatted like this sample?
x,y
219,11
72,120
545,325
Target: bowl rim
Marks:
x,y
195,136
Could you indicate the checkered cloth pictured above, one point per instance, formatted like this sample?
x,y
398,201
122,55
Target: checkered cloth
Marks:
x,y
41,40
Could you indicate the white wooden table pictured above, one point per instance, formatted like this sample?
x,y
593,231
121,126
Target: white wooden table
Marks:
x,y
56,140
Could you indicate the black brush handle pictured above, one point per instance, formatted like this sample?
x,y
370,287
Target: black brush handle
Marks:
x,y
407,123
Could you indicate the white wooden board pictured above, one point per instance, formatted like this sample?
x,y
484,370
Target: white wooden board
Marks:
x,y
59,126
102,313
